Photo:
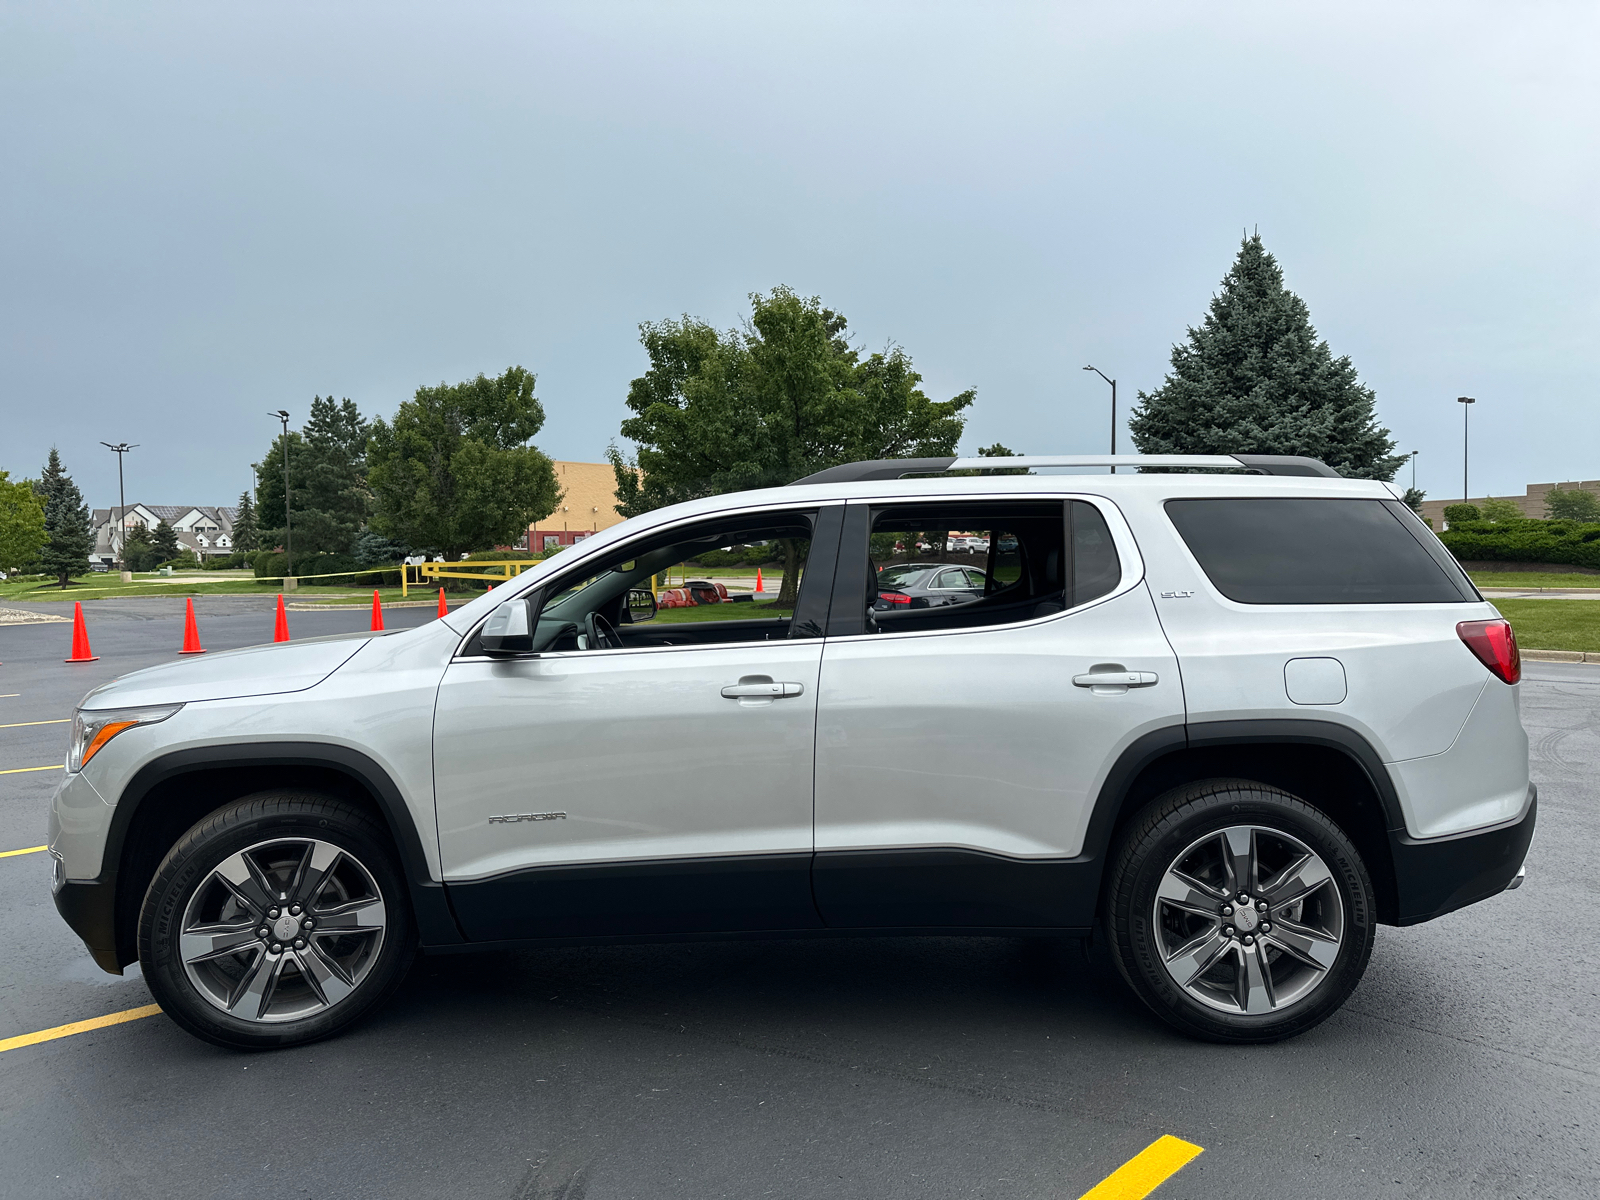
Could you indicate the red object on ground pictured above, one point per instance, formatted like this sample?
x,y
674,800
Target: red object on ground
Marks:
x,y
377,613
443,607
80,637
758,579
280,632
191,635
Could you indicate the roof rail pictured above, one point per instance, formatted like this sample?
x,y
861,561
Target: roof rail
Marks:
x,y
898,468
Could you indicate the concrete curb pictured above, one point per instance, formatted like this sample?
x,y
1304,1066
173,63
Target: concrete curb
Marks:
x,y
1566,656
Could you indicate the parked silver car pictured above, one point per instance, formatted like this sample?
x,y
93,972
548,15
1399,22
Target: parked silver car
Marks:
x,y
1229,723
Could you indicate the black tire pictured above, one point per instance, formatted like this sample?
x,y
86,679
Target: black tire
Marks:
x,y
1187,826
358,869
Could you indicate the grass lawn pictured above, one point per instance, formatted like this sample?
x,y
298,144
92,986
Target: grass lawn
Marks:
x,y
99,587
1554,624
753,611
1533,579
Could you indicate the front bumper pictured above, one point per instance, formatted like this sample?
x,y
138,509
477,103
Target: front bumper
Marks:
x,y
89,907
1440,875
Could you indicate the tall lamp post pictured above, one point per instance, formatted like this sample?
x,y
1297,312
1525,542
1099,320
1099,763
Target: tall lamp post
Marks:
x,y
1113,384
119,450
288,533
1464,400
1414,454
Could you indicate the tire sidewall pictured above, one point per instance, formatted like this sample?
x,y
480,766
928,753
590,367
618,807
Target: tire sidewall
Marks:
x,y
191,862
1144,862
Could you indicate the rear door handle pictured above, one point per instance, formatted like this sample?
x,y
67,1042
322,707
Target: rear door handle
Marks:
x,y
1115,681
767,690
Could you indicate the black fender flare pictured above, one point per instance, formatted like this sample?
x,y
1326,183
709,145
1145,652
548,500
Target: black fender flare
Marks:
x,y
1145,750
435,922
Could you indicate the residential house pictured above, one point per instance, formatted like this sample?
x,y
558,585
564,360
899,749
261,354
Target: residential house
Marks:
x,y
204,531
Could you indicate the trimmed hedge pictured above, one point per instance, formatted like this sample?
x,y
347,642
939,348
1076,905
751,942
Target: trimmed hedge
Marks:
x,y
1573,542
269,564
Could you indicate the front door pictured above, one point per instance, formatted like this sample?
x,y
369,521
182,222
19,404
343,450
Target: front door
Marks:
x,y
641,778
960,748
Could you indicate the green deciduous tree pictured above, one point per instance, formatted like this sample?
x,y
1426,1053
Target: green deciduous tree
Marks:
x,y
767,404
66,522
1500,511
1571,504
1255,378
455,469
22,532
245,536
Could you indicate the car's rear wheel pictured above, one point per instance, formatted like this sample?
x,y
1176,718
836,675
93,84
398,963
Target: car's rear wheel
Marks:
x,y
278,920
1238,912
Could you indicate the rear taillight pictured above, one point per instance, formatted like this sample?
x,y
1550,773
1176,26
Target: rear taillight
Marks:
x,y
894,598
1495,645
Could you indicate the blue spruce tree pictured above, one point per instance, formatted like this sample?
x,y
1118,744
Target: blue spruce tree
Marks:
x,y
1256,379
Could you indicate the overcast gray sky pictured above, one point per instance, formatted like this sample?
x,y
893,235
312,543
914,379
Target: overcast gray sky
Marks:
x,y
211,211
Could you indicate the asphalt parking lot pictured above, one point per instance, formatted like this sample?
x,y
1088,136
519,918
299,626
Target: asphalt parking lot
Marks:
x,y
1465,1065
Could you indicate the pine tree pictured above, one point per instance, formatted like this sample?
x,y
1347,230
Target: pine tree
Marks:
x,y
66,521
1256,379
244,535
165,541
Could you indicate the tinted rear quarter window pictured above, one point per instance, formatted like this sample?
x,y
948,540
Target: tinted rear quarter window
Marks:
x,y
1271,550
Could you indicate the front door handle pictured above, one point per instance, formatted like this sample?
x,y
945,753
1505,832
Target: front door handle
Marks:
x,y
1114,683
762,689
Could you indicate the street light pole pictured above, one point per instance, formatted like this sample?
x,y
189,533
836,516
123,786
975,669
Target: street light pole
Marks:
x,y
288,532
119,450
1113,384
1414,454
1464,400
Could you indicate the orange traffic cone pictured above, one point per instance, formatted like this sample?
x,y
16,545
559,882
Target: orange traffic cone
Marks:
x,y
444,608
191,635
759,588
280,632
80,637
377,613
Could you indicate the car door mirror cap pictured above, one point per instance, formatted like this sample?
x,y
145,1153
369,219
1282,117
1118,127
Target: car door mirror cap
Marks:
x,y
508,631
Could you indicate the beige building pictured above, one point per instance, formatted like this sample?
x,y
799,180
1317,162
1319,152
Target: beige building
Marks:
x,y
1531,502
588,506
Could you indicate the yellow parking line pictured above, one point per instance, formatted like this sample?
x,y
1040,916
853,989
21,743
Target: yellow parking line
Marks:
x,y
25,770
29,850
61,1031
1146,1170
20,724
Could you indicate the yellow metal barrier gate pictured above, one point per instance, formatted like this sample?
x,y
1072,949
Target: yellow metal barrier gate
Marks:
x,y
494,572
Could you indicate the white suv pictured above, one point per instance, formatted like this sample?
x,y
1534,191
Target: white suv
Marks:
x,y
1232,721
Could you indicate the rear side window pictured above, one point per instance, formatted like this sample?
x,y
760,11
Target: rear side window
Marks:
x,y
1267,550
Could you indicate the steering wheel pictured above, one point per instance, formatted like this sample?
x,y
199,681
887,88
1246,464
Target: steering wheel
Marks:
x,y
601,634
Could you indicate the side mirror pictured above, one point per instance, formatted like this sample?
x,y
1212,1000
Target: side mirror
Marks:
x,y
641,605
509,629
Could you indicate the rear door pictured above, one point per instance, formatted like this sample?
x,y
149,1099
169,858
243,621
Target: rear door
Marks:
x,y
960,748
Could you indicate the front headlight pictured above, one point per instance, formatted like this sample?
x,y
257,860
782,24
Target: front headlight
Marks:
x,y
93,728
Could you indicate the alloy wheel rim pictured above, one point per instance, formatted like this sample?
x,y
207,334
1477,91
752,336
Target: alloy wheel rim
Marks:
x,y
1248,920
282,930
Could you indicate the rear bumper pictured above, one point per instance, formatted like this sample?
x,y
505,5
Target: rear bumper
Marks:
x,y
1440,875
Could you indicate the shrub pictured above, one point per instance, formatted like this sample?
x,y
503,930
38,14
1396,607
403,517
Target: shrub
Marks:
x,y
1501,512
1455,513
1573,542
503,556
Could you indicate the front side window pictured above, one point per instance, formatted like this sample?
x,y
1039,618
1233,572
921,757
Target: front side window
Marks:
x,y
960,564
730,580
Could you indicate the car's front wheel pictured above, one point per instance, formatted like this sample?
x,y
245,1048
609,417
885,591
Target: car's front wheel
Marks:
x,y
1238,912
278,920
